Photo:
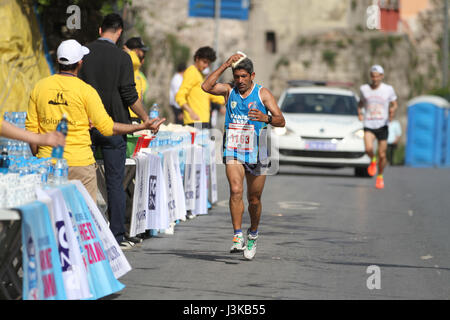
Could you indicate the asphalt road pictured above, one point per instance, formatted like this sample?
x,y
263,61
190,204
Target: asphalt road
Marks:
x,y
324,234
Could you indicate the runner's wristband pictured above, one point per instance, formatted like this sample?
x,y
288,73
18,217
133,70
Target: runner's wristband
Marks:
x,y
269,119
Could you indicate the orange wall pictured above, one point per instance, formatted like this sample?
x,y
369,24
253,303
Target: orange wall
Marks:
x,y
410,8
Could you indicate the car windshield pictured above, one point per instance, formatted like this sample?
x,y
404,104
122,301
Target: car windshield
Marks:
x,y
318,103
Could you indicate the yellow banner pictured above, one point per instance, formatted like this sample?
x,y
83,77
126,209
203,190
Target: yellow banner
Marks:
x,y
22,59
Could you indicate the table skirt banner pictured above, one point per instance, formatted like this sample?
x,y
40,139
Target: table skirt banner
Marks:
x,y
169,182
180,198
176,203
201,192
102,281
42,272
189,178
212,187
138,222
150,209
74,272
117,260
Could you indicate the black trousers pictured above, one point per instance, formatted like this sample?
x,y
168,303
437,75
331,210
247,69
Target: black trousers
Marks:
x,y
177,111
390,152
114,151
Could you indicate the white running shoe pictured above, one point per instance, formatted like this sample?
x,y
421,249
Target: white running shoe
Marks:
x,y
250,248
238,243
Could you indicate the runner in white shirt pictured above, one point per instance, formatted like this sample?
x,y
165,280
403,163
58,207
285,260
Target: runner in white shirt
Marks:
x,y
379,102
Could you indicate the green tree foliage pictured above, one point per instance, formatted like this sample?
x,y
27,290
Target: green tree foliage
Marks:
x,y
442,92
329,57
53,18
178,52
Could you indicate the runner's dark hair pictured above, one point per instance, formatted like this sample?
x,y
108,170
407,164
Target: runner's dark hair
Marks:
x,y
245,64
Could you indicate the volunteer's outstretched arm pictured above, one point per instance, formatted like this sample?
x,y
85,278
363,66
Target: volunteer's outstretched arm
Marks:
x,y
52,139
149,124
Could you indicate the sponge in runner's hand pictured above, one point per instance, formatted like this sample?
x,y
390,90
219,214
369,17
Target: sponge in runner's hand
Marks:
x,y
240,59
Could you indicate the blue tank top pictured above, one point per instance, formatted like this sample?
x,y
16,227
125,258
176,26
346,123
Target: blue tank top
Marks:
x,y
242,135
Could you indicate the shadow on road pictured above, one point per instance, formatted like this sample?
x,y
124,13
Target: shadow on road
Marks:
x,y
189,254
366,264
326,173
359,186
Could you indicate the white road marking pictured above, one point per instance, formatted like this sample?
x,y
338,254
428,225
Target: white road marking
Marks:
x,y
298,205
288,205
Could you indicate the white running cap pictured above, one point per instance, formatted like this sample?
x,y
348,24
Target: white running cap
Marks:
x,y
377,68
70,52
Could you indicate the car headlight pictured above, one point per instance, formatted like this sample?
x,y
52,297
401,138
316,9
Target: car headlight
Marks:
x,y
359,133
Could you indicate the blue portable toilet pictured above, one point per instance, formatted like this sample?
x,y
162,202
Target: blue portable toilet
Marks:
x,y
428,132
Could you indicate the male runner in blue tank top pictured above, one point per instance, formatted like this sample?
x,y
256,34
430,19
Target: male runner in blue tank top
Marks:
x,y
247,116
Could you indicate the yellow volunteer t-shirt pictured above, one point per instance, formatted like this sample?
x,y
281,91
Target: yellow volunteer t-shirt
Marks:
x,y
191,92
64,94
1,122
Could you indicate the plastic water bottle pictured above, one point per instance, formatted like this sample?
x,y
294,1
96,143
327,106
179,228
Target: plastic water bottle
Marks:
x,y
154,111
4,161
23,119
43,172
7,116
24,168
62,127
60,172
16,118
66,171
50,170
26,150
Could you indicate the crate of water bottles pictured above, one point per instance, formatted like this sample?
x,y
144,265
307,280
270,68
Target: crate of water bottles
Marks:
x,y
21,172
168,139
14,147
16,118
20,177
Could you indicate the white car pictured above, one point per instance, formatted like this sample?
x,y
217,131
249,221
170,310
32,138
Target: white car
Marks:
x,y
322,129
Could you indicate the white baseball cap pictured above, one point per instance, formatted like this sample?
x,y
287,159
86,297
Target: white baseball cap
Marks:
x,y
70,52
377,68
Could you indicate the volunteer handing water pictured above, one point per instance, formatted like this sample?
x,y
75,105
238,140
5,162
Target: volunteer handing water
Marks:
x,y
153,124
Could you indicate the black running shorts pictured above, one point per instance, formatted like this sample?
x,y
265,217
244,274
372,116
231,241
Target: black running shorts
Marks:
x,y
380,133
255,169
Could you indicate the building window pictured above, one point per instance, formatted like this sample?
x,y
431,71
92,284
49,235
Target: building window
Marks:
x,y
271,42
